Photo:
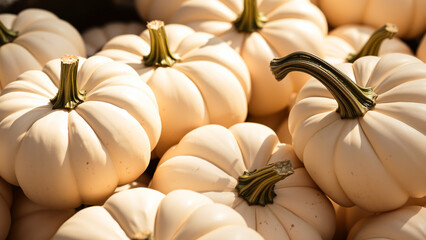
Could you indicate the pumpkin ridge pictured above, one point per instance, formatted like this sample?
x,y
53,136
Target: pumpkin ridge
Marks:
x,y
394,72
286,230
101,142
77,183
35,56
396,181
336,143
142,44
29,21
399,117
30,53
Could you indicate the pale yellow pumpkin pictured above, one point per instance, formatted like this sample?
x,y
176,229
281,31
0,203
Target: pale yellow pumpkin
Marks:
x,y
150,10
95,37
32,221
421,49
349,42
143,213
197,79
32,38
407,223
215,161
408,15
78,146
370,152
259,31
6,198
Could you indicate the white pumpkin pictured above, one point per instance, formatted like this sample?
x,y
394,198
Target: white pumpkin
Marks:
x,y
70,135
143,213
197,78
259,31
248,169
35,37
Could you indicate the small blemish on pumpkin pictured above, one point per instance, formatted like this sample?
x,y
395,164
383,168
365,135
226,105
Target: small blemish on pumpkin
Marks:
x,y
87,163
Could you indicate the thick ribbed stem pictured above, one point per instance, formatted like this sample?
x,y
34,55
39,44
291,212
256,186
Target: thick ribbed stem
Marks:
x,y
6,35
68,96
160,55
250,19
372,46
353,100
257,187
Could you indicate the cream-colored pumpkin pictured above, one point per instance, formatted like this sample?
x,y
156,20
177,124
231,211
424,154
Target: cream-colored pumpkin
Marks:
x,y
41,36
267,29
62,158
209,84
150,10
407,223
6,198
140,212
371,152
210,160
349,39
95,37
421,49
346,218
32,221
408,15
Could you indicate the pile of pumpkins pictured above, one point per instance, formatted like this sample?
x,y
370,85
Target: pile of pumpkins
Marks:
x,y
218,119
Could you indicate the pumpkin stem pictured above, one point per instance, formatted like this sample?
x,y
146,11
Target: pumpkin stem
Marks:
x,y
353,100
145,235
250,19
68,96
160,55
372,46
257,187
6,35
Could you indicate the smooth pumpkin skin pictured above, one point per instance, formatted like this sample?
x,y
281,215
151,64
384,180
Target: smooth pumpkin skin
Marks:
x,y
407,223
350,38
210,159
6,199
421,49
42,36
96,37
210,84
181,214
162,10
408,15
291,25
385,146
32,221
62,158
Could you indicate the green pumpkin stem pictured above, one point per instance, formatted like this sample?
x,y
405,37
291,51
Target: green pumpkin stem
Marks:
x,y
353,100
250,19
160,55
372,46
145,235
257,187
68,96
6,35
